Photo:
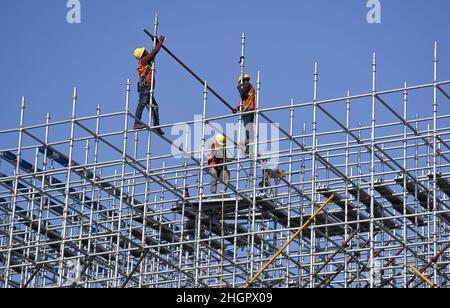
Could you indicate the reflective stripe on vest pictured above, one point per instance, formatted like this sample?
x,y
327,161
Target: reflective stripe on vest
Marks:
x,y
145,71
249,103
217,153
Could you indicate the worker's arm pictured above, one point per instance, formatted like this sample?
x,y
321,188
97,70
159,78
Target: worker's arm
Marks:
x,y
210,158
212,155
151,55
212,148
244,89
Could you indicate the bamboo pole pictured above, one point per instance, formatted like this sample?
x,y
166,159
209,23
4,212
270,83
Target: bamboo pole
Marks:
x,y
418,273
306,225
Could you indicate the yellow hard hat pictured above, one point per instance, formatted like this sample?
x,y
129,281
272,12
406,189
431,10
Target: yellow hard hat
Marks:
x,y
221,139
139,52
242,77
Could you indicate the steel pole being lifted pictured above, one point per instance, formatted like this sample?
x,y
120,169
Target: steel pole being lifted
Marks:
x,y
202,81
306,225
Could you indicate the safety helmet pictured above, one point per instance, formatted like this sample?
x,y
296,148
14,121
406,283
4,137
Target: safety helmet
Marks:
x,y
221,139
139,52
243,77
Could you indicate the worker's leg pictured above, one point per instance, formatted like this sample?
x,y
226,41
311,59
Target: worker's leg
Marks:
x,y
155,116
155,112
225,179
263,183
144,101
215,175
249,120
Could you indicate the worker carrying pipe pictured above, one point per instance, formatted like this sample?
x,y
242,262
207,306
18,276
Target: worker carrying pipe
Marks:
x,y
145,72
217,157
247,106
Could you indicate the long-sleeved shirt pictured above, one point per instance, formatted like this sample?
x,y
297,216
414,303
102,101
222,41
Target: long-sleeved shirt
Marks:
x,y
148,59
146,62
244,89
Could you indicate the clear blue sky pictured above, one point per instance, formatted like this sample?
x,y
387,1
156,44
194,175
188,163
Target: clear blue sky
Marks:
x,y
42,56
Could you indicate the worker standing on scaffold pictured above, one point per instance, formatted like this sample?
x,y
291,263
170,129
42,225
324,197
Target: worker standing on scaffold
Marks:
x,y
217,157
145,72
247,106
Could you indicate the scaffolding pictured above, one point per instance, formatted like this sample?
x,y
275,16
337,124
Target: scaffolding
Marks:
x,y
84,204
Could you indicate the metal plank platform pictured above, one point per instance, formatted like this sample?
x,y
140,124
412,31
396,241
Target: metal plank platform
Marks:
x,y
425,200
397,203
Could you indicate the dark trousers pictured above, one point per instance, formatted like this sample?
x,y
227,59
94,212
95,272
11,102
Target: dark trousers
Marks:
x,y
249,120
144,101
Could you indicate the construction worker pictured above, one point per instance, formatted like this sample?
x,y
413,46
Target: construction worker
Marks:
x,y
247,94
145,73
217,156
268,175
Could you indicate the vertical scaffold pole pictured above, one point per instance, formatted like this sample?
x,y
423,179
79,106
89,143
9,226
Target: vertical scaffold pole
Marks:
x,y
302,257
124,159
242,71
405,192
16,187
201,189
238,173
153,69
94,171
314,173
372,174
289,204
183,210
255,171
347,195
359,173
42,202
67,188
149,153
435,157
242,62
148,159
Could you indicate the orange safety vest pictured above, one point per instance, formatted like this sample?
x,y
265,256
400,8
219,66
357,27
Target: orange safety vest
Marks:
x,y
212,157
145,71
249,103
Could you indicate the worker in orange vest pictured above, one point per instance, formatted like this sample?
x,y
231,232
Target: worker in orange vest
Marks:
x,y
145,72
247,94
218,156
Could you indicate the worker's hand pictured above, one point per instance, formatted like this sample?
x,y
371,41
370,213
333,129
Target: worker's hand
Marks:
x,y
235,111
160,40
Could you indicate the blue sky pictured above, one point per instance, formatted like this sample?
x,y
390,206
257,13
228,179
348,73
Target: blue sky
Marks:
x,y
42,56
